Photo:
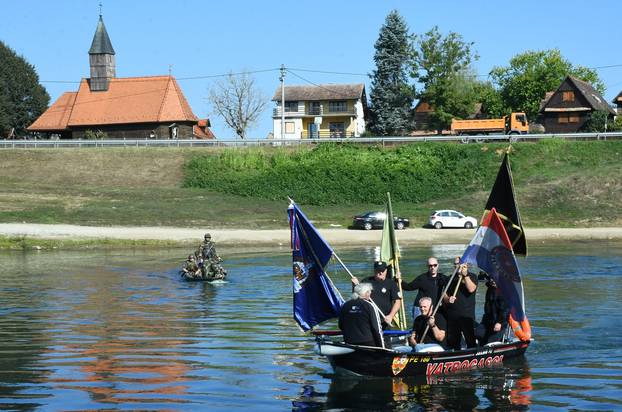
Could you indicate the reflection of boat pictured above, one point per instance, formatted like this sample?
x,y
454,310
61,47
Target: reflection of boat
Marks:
x,y
371,361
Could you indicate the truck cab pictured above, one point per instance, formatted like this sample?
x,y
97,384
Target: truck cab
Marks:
x,y
516,123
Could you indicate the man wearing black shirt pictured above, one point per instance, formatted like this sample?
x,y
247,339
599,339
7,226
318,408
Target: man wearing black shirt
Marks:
x,y
385,292
459,303
359,320
495,319
428,284
436,325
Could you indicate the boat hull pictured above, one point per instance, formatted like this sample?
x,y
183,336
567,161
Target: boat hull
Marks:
x,y
388,363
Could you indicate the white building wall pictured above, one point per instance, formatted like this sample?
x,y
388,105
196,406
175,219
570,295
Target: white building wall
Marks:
x,y
276,123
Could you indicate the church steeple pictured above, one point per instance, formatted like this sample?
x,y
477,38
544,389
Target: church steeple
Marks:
x,y
101,59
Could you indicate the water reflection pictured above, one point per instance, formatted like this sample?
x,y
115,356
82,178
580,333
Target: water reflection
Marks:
x,y
119,330
505,388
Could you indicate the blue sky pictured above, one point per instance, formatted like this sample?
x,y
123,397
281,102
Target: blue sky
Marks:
x,y
207,38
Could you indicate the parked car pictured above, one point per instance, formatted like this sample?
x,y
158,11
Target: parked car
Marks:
x,y
375,220
450,218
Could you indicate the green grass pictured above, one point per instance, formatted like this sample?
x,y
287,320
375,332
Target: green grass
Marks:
x,y
558,183
25,243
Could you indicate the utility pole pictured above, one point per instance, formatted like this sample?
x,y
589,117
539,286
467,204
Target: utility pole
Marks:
x,y
282,78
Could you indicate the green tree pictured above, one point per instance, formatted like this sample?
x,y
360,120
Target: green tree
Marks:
x,y
442,65
490,98
599,121
391,95
524,83
22,98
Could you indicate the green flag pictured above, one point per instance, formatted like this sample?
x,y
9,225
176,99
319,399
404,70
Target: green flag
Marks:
x,y
390,254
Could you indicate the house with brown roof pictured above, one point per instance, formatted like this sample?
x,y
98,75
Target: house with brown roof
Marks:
x,y
121,108
327,110
569,107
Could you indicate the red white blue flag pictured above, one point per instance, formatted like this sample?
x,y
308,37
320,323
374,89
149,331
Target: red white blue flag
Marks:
x,y
491,251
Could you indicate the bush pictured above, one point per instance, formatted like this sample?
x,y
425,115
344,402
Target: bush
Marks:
x,y
95,135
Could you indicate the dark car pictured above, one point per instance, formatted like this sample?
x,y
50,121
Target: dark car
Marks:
x,y
375,220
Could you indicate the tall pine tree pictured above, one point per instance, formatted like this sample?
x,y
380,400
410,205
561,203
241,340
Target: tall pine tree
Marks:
x,y
391,95
22,98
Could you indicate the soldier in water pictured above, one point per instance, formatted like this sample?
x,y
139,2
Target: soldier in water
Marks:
x,y
191,269
211,267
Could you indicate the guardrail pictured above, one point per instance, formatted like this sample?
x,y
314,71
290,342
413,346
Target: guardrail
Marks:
x,y
53,144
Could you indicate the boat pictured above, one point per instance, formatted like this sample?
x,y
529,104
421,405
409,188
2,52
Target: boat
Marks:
x,y
492,250
356,360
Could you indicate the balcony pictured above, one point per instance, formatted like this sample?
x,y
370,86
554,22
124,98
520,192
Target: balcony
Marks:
x,y
322,134
314,111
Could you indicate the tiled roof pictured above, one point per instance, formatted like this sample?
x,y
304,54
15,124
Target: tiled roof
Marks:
x,y
156,99
321,92
57,116
618,98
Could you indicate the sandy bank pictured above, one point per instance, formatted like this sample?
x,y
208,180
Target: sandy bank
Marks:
x,y
281,236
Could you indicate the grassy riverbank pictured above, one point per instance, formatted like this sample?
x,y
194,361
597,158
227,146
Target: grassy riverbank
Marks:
x,y
558,183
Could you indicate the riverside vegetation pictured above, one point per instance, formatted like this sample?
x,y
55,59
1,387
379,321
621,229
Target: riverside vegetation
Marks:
x,y
558,183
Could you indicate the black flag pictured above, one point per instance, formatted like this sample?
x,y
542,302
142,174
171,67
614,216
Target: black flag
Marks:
x,y
502,198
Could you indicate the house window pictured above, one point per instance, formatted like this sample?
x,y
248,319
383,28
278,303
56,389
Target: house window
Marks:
x,y
568,118
337,129
289,127
291,107
337,106
568,96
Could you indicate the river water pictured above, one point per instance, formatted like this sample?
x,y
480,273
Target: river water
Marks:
x,y
119,330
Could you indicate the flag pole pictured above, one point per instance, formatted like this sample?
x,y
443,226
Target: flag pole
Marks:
x,y
396,267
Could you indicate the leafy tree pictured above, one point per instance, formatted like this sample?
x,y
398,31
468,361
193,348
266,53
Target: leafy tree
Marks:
x,y
524,83
237,100
391,95
442,65
490,98
599,121
22,98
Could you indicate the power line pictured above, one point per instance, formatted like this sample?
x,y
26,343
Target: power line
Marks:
x,y
318,85
329,72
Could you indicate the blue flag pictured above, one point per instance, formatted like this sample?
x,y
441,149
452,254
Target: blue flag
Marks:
x,y
315,297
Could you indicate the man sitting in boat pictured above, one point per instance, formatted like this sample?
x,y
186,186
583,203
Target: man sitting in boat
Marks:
x,y
385,293
191,269
436,325
495,319
428,284
359,321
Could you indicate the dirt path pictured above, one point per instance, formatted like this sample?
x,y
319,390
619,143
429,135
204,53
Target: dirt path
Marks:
x,y
281,236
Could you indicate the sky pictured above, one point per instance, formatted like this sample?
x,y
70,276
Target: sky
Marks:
x,y
198,41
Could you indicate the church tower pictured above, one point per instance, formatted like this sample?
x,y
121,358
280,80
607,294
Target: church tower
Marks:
x,y
101,59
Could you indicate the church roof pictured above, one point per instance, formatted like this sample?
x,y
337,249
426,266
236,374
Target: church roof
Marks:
x,y
101,42
156,99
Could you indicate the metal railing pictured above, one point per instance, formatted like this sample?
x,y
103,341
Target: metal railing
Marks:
x,y
52,144
314,111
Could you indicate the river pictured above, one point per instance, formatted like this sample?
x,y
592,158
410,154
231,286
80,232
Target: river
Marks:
x,y
119,330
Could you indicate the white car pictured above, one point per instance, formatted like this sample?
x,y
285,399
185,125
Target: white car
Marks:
x,y
450,218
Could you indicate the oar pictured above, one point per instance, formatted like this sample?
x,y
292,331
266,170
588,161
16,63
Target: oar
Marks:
x,y
439,303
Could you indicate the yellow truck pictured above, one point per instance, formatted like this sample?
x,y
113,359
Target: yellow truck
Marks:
x,y
516,123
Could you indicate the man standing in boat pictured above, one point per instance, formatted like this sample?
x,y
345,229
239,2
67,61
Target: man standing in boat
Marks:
x,y
359,321
428,284
436,325
495,319
211,267
459,303
385,293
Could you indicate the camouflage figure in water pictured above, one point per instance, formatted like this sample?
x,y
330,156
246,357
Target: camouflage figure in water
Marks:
x,y
191,268
210,267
